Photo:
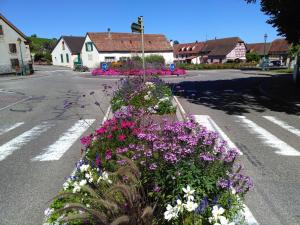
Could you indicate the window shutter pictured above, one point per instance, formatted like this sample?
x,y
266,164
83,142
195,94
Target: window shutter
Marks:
x,y
86,47
91,46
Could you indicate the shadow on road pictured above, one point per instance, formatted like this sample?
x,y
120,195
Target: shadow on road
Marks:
x,y
235,96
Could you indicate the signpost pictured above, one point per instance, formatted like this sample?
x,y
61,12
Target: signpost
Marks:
x,y
104,66
139,28
172,67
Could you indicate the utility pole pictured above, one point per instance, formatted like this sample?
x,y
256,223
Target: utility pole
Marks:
x,y
264,59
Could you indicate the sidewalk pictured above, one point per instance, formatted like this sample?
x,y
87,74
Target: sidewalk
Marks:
x,y
282,88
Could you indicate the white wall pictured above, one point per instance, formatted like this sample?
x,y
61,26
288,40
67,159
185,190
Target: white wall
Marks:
x,y
90,59
57,51
11,36
239,52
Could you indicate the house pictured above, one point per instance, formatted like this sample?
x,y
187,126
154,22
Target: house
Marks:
x,y
14,48
67,51
224,50
260,49
188,52
276,50
111,47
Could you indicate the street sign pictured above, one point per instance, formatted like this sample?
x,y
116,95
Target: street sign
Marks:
x,y
172,67
136,28
104,66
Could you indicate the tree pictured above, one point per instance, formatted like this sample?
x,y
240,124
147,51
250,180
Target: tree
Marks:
x,y
33,35
252,57
285,17
176,42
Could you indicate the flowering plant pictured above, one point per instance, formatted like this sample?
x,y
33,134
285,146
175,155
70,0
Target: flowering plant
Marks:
x,y
137,72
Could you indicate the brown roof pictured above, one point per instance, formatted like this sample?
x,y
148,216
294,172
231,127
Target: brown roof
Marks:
x,y
74,43
188,48
129,42
220,47
13,26
259,48
279,46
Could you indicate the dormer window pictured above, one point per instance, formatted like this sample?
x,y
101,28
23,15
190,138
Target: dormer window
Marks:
x,y
63,45
89,46
1,30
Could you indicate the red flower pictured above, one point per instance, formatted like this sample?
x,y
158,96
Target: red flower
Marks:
x,y
109,136
101,130
122,137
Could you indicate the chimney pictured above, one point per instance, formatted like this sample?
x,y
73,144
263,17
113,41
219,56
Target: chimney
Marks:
x,y
172,43
108,32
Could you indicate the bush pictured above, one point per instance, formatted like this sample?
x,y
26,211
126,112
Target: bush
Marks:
x,y
156,59
252,57
81,68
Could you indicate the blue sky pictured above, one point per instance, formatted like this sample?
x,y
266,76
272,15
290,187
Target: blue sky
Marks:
x,y
182,20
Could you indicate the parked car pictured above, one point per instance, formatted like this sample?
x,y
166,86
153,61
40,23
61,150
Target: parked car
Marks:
x,y
274,63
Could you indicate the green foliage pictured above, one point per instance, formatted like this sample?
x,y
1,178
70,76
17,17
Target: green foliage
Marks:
x,y
283,15
252,57
159,59
42,48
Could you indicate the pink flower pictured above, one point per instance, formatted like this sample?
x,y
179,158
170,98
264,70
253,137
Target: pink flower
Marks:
x,y
108,154
101,131
109,136
122,137
86,140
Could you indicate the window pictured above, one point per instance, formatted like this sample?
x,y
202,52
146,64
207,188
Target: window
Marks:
x,y
61,58
1,30
90,57
14,63
67,57
109,59
12,48
89,46
63,45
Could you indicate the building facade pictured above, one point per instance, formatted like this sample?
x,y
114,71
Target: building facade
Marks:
x,y
14,48
67,51
112,47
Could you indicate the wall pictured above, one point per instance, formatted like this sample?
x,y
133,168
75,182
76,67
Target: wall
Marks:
x,y
11,36
90,59
239,52
57,51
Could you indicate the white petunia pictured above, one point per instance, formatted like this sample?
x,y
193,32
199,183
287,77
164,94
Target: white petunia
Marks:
x,y
170,213
76,187
223,221
180,205
216,212
48,212
188,193
147,97
82,182
84,167
190,206
66,185
149,84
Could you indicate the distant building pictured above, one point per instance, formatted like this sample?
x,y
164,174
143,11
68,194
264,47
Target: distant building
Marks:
x,y
276,50
14,47
111,47
67,51
212,51
188,52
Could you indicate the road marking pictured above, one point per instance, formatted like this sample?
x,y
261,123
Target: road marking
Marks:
x,y
206,121
283,124
23,100
7,129
21,140
270,139
58,148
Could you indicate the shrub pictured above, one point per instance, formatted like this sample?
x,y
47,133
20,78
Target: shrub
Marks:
x,y
81,68
157,59
252,57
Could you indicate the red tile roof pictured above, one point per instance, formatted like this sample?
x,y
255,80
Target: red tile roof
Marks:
x,y
279,46
129,42
188,48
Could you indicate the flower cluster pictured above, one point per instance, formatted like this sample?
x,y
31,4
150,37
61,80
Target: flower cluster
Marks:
x,y
189,205
137,72
218,218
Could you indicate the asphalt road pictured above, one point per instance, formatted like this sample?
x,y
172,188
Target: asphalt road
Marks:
x,y
35,157
267,133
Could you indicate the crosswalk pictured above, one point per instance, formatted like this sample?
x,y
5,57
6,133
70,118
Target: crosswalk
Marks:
x,y
51,153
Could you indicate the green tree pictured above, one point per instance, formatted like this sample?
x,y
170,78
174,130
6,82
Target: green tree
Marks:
x,y
176,42
252,57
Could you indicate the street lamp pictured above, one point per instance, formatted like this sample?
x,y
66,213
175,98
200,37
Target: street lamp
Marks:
x,y
264,60
22,62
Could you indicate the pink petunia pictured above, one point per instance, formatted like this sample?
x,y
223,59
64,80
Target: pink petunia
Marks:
x,y
122,137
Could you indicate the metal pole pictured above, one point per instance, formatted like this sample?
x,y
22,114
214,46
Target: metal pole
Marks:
x,y
21,57
264,61
143,49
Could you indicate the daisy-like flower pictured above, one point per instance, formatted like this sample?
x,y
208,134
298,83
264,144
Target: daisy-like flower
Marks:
x,y
223,221
188,193
180,205
104,177
82,183
76,187
66,185
190,206
89,177
217,212
84,168
172,212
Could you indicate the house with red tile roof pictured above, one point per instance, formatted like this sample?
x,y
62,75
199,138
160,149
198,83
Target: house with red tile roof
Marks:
x,y
110,46
212,51
67,51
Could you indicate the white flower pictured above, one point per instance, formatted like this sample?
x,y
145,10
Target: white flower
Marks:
x,y
180,205
223,221
233,191
89,176
104,177
216,212
66,185
165,99
84,168
149,84
156,107
48,212
76,187
147,97
88,205
188,193
171,212
149,93
82,183
190,206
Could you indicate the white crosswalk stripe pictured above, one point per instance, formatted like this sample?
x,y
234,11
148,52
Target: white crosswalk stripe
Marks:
x,y
206,121
21,140
6,129
269,139
58,148
283,125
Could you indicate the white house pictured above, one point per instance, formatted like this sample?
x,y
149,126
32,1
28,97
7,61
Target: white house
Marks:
x,y
14,48
110,47
67,51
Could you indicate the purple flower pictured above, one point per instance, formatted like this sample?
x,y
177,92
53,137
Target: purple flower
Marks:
x,y
108,154
156,188
121,162
153,166
205,156
225,183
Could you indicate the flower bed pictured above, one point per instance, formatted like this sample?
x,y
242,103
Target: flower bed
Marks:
x,y
138,72
140,170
